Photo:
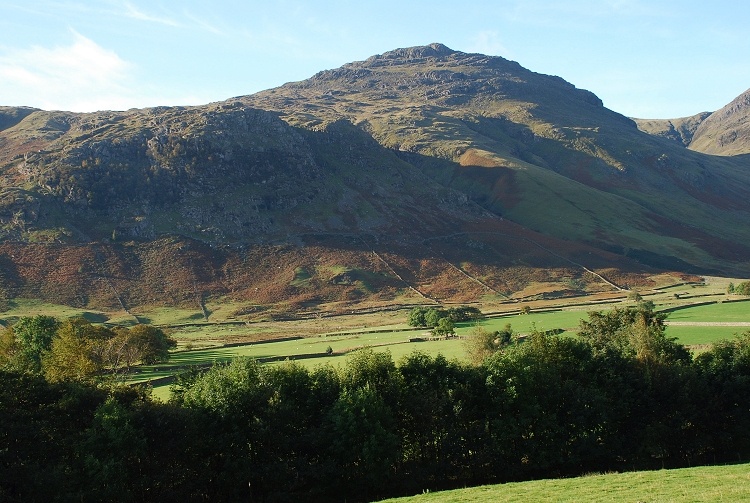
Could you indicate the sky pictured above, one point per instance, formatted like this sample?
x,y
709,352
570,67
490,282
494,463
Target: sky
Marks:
x,y
643,58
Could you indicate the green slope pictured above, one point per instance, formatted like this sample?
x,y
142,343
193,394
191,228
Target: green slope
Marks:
x,y
708,484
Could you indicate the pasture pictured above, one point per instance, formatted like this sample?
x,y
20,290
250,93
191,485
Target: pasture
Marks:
x,y
699,328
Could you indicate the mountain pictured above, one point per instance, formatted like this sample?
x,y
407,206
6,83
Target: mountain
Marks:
x,y
419,174
726,131
535,149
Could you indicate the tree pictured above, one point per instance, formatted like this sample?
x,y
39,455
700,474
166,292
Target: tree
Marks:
x,y
742,288
416,317
365,444
482,343
443,328
142,343
111,450
154,343
23,344
635,296
77,352
9,351
433,316
374,369
627,330
464,313
725,368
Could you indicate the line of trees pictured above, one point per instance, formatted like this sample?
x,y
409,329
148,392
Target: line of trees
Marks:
x,y
442,322
75,349
621,396
739,289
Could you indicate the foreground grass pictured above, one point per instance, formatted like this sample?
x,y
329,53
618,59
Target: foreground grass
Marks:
x,y
709,483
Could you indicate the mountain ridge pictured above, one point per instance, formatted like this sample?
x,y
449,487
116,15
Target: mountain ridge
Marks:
x,y
726,131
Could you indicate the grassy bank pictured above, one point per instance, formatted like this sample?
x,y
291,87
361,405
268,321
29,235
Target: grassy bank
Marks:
x,y
710,483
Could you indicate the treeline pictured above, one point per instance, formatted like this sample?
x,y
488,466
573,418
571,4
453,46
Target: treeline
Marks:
x,y
739,289
622,396
442,321
75,349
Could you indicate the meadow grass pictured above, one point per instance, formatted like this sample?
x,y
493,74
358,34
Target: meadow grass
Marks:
x,y
719,312
291,348
396,344
525,323
32,307
701,484
382,331
691,336
170,316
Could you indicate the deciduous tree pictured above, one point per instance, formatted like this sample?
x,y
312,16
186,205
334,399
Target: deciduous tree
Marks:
x,y
77,352
23,344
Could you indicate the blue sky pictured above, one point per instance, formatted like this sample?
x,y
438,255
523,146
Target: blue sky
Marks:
x,y
648,59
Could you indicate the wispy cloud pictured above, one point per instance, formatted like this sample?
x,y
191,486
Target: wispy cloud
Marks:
x,y
134,12
185,19
204,24
82,76
488,42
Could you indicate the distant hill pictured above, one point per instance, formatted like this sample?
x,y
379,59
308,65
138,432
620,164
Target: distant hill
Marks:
x,y
679,130
726,131
423,173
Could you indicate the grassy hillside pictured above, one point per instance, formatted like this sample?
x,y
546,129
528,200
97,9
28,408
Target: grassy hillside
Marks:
x,y
707,483
726,131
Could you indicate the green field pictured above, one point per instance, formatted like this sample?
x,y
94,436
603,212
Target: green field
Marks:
x,y
709,484
695,326
697,336
31,307
542,321
395,342
308,350
719,312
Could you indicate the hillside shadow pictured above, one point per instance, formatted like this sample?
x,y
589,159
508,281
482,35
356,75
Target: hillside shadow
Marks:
x,y
95,317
